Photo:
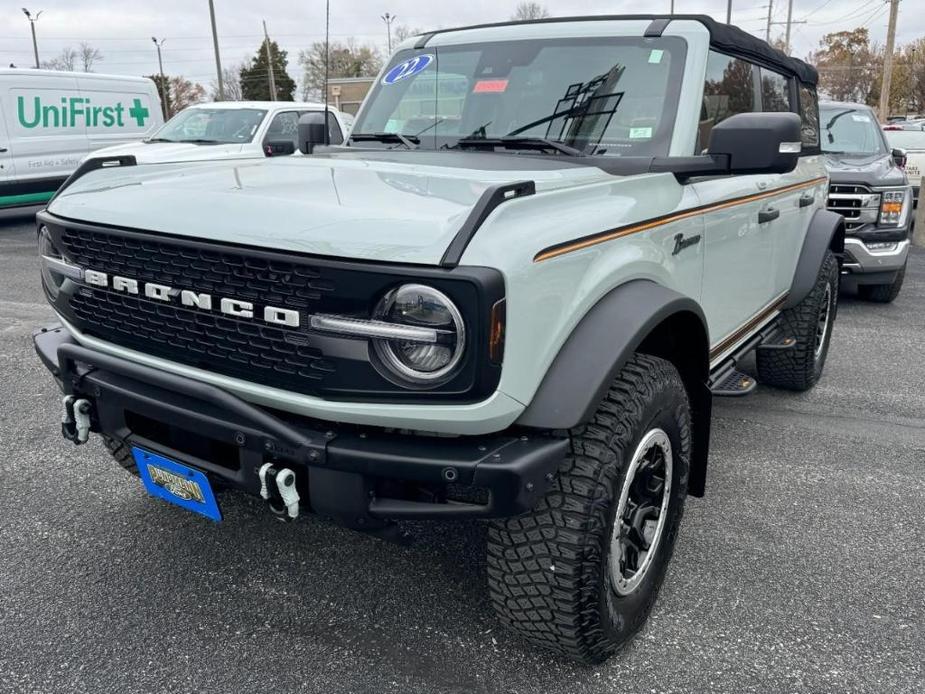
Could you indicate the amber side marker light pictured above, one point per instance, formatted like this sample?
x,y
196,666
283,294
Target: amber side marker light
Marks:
x,y
496,332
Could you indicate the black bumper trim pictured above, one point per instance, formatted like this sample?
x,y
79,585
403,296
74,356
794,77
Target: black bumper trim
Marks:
x,y
342,464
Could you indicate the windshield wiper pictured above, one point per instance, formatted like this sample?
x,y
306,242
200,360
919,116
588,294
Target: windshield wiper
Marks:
x,y
535,143
409,141
200,141
159,139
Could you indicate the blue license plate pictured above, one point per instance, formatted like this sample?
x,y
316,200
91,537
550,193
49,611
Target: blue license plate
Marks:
x,y
176,483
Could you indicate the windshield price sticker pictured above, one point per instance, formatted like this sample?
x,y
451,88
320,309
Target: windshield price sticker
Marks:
x,y
408,68
655,55
640,133
489,86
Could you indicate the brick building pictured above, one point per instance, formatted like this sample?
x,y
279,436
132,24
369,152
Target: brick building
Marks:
x,y
347,93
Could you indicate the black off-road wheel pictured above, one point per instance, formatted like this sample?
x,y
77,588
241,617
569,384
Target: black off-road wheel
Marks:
x,y
122,454
810,322
883,293
579,574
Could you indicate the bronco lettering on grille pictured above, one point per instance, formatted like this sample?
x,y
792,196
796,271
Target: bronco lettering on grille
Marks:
x,y
162,292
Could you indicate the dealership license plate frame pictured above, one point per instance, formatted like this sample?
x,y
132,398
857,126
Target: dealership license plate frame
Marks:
x,y
176,483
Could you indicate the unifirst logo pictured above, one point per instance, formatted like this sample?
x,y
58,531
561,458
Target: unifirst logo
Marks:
x,y
77,112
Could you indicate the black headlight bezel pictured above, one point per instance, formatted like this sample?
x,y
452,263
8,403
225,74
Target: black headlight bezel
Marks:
x,y
359,287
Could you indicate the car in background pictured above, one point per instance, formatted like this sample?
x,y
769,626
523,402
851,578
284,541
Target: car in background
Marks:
x,y
50,120
869,188
912,143
230,130
906,125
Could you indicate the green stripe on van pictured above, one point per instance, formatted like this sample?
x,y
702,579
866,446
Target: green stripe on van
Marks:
x,y
26,199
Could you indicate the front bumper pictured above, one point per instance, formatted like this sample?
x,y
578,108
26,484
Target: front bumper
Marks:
x,y
359,476
864,264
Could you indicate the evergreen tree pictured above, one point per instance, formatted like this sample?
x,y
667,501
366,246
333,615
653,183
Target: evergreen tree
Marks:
x,y
255,77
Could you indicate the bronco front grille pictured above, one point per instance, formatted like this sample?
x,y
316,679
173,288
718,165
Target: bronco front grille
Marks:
x,y
292,358
221,272
215,343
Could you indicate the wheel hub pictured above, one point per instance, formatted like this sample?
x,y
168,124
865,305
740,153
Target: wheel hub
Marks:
x,y
641,512
823,322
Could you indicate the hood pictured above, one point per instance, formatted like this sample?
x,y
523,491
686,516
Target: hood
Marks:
x,y
165,152
404,210
872,170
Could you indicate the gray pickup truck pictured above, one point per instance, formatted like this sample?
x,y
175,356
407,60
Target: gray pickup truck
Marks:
x,y
870,189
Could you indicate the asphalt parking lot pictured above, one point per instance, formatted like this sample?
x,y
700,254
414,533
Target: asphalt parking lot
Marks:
x,y
801,571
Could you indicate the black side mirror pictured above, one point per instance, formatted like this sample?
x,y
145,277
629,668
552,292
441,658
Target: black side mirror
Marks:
x,y
311,131
757,143
899,156
279,148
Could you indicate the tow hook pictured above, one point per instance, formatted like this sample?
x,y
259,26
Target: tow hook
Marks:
x,y
75,423
277,487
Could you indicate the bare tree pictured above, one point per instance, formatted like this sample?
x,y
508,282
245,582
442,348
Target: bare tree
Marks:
x,y
403,31
231,81
346,60
529,10
70,59
88,56
184,93
65,61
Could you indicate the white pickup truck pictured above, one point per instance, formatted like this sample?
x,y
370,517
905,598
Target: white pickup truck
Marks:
x,y
230,130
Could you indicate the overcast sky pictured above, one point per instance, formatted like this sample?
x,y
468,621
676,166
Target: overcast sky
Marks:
x,y
123,30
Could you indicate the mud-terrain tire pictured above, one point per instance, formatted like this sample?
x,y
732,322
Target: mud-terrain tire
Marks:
x,y
552,575
883,293
810,322
122,454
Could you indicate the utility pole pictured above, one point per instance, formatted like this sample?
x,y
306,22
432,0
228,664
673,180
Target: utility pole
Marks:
x,y
789,24
888,62
327,67
165,106
218,60
728,11
767,35
790,21
270,72
32,21
389,18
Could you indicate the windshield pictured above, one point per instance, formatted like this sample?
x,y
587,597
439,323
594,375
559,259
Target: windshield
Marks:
x,y
848,130
906,139
211,126
614,96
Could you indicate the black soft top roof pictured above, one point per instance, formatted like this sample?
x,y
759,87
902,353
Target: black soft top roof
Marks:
x,y
724,37
731,39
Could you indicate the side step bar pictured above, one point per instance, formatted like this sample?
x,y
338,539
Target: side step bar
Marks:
x,y
727,381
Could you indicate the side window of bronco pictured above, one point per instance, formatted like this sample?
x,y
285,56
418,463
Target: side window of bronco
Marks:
x,y
809,113
729,88
775,91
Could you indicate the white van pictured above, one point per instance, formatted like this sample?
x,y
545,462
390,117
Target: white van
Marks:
x,y
231,130
50,120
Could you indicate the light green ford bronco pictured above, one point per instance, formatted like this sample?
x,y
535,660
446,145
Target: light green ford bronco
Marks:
x,y
510,295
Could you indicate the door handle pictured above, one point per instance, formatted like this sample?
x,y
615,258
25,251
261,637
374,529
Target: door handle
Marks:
x,y
3,149
807,199
768,215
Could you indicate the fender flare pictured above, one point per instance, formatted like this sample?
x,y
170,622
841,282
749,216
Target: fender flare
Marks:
x,y
599,346
826,232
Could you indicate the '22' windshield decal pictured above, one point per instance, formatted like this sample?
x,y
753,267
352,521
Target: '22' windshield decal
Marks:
x,y
410,67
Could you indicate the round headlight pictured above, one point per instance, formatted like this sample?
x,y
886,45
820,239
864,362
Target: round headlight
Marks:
x,y
432,356
47,249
